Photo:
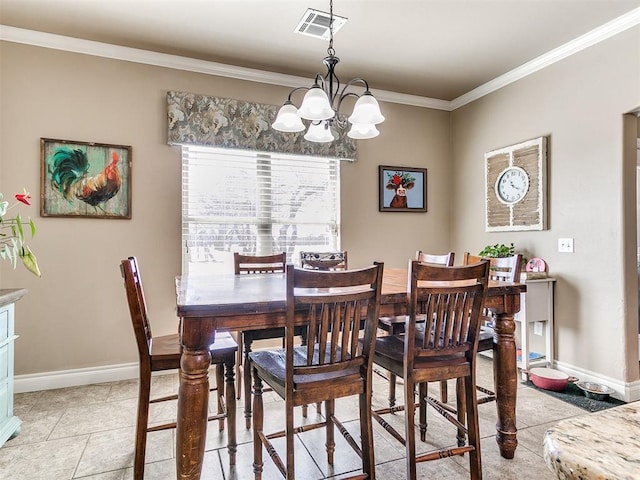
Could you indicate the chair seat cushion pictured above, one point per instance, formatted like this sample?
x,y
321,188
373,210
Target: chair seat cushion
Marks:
x,y
166,352
272,365
223,344
485,339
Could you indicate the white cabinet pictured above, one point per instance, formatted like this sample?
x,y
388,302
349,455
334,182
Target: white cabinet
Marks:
x,y
9,423
536,305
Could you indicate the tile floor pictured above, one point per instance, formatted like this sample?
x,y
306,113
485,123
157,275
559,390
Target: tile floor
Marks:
x,y
88,432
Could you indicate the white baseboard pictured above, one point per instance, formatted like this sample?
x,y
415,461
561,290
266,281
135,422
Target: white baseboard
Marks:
x,y
627,392
72,378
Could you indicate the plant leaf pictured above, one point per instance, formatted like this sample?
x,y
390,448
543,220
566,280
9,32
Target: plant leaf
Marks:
x,y
29,261
19,224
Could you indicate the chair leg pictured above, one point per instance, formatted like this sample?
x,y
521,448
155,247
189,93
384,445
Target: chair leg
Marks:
x,y
409,427
238,338
422,402
257,426
330,427
220,390
144,393
471,401
392,390
366,434
444,394
290,437
247,382
230,405
461,409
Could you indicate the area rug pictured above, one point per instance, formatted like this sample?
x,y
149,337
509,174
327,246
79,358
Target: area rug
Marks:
x,y
573,395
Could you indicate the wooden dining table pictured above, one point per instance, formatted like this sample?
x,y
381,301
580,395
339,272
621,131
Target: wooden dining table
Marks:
x,y
239,302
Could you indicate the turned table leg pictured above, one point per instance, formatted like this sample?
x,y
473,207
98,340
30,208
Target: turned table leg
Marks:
x,y
505,377
193,401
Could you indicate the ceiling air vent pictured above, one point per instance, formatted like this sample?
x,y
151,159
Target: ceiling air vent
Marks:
x,y
316,24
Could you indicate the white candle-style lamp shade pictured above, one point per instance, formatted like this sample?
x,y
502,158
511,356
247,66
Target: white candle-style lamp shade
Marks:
x,y
288,119
366,111
363,131
319,133
315,105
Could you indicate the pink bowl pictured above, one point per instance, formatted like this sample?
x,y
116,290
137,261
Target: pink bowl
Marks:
x,y
550,379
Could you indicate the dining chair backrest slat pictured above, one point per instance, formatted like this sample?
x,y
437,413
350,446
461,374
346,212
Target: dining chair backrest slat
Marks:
x,y
502,269
316,260
337,306
259,263
449,299
438,259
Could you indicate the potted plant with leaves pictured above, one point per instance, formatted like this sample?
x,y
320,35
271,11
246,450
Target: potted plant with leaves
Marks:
x,y
12,234
498,250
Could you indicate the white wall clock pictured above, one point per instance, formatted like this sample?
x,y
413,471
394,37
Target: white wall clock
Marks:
x,y
515,187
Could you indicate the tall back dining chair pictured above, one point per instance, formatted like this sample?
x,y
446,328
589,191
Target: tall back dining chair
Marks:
x,y
339,310
501,269
324,260
163,353
259,263
254,264
437,259
395,325
441,346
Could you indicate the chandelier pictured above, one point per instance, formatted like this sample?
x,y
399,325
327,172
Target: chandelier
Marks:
x,y
321,104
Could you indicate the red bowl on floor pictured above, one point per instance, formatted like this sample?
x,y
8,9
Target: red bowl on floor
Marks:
x,y
550,379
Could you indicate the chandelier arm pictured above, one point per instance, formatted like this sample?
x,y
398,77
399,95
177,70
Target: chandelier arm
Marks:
x,y
294,91
344,95
320,81
353,81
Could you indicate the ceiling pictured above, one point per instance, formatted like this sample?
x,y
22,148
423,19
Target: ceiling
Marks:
x,y
436,49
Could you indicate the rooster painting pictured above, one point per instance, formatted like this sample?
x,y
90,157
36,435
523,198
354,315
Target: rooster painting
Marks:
x,y
69,172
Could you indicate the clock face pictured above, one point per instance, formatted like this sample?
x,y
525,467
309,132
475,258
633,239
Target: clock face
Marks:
x,y
512,185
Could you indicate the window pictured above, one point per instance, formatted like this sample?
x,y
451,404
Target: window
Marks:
x,y
240,201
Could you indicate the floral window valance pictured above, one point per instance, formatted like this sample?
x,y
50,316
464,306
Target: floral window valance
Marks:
x,y
221,122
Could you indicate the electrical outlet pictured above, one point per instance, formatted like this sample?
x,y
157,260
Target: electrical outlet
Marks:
x,y
565,245
537,328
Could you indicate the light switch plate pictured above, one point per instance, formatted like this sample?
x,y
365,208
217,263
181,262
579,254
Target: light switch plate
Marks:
x,y
537,328
565,245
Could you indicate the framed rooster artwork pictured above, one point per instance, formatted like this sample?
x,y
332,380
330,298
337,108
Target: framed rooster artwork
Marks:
x,y
81,179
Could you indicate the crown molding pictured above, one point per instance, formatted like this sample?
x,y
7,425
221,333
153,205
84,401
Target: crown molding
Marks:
x,y
117,52
597,35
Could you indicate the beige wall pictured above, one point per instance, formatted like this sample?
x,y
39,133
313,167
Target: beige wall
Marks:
x,y
579,103
75,316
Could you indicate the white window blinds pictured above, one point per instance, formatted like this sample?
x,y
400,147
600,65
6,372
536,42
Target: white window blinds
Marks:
x,y
240,201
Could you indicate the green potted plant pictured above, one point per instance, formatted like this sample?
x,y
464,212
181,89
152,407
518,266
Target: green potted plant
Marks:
x,y
497,251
